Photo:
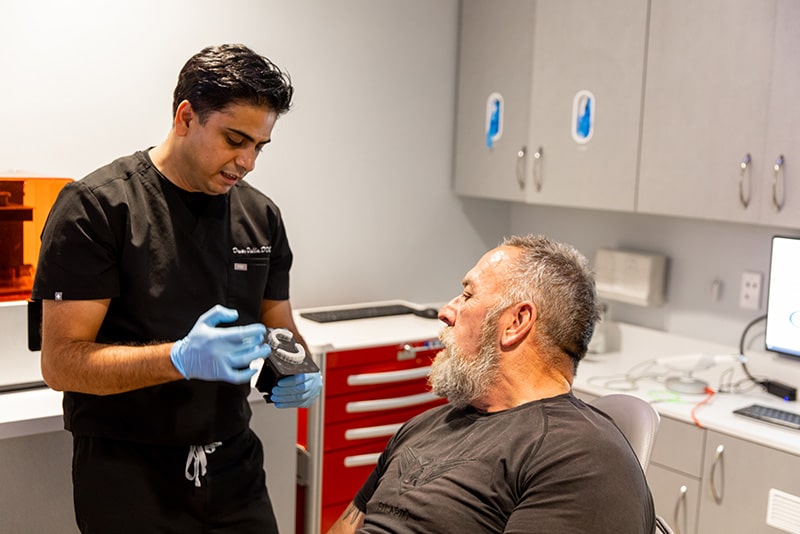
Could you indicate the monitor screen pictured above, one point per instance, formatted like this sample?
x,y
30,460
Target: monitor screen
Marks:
x,y
783,297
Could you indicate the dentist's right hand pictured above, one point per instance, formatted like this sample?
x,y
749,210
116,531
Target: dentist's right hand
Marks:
x,y
224,354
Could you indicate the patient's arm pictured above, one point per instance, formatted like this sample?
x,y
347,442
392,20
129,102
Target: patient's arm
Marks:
x,y
351,520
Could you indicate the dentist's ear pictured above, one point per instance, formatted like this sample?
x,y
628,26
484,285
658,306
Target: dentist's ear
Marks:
x,y
183,116
517,324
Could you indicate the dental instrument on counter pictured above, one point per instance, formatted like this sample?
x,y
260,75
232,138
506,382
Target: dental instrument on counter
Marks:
x,y
689,363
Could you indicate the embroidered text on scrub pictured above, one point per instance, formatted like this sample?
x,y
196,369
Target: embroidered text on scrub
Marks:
x,y
196,461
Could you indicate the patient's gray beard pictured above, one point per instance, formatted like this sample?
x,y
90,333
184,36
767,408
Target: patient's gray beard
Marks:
x,y
463,378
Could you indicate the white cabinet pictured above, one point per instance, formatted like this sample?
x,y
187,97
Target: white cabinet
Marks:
x,y
693,106
495,58
738,476
704,481
721,82
588,63
551,62
674,473
780,201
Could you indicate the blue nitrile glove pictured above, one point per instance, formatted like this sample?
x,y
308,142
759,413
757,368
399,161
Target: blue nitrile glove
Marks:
x,y
210,353
297,391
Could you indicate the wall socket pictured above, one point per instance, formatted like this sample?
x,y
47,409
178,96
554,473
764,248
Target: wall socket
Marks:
x,y
750,293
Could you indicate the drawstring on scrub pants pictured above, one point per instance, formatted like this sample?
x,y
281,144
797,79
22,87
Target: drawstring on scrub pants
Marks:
x,y
196,461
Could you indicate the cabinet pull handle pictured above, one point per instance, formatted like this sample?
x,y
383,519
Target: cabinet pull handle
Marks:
x,y
521,167
389,404
718,461
537,168
745,167
362,460
409,351
681,503
369,432
389,377
778,169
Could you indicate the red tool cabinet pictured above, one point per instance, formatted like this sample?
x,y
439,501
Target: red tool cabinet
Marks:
x,y
368,393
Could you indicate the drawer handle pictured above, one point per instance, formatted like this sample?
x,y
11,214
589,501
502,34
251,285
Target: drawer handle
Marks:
x,y
361,460
389,404
718,461
368,379
409,351
681,504
371,432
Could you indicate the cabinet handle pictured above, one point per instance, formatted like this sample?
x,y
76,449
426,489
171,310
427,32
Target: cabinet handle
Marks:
x,y
409,351
778,169
389,377
362,460
681,503
378,405
369,432
521,167
745,167
718,461
537,168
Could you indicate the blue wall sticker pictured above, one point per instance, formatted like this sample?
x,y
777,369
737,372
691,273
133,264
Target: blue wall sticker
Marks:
x,y
583,116
494,119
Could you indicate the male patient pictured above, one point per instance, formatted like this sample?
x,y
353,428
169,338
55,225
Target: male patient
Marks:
x,y
513,451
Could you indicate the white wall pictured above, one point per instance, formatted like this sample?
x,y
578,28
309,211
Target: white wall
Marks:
x,y
361,166
699,252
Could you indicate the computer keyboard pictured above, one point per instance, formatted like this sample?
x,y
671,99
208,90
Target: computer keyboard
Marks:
x,y
349,314
775,416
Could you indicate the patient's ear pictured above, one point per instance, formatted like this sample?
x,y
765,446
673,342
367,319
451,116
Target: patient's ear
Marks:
x,y
518,324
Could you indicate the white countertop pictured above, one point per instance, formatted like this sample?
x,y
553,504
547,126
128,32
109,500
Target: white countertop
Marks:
x,y
324,337
37,411
34,411
603,374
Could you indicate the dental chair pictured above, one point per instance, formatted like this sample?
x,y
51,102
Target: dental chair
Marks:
x,y
638,421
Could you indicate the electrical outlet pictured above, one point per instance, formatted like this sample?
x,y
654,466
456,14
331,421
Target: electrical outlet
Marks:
x,y
750,294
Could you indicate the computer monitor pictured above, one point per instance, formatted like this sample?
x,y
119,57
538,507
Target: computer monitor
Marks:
x,y
783,297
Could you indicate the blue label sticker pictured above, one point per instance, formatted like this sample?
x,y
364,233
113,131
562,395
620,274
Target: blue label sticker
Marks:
x,y
494,119
583,116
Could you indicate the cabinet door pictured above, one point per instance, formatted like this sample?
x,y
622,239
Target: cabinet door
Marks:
x,y
494,59
708,71
737,476
588,64
676,496
780,203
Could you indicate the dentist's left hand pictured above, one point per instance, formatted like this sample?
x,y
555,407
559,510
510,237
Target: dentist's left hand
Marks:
x,y
297,391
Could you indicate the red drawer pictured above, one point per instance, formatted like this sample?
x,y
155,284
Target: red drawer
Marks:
x,y
376,428
375,376
386,353
414,394
345,471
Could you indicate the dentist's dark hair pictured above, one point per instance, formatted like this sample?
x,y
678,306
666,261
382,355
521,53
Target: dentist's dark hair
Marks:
x,y
228,74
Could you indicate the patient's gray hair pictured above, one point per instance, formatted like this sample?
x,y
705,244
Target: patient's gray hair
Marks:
x,y
558,280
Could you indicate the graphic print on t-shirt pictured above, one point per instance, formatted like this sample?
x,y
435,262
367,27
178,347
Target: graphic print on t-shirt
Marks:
x,y
416,470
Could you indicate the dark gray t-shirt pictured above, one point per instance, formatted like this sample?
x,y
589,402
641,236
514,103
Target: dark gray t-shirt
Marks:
x,y
551,466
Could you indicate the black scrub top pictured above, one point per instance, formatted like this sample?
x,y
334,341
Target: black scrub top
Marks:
x,y
125,233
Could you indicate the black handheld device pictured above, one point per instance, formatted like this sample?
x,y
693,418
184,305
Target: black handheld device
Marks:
x,y
288,358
